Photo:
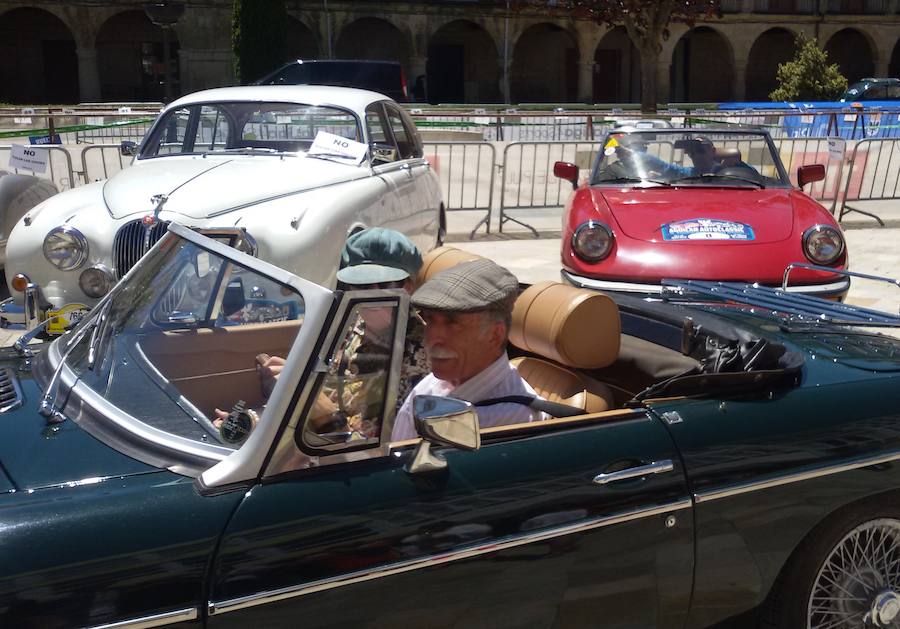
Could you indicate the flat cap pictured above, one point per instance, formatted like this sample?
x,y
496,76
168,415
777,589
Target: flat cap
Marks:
x,y
476,285
378,255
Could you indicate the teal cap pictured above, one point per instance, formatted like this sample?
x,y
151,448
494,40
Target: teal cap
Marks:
x,y
378,255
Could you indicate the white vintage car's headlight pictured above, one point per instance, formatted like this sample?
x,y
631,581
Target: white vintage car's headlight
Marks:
x,y
66,248
96,281
823,244
592,241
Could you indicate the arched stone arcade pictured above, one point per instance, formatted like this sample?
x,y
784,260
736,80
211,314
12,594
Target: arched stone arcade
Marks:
x,y
702,67
40,64
462,65
545,66
771,48
617,69
852,51
130,57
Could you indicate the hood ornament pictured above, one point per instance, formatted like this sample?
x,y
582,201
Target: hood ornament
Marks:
x,y
151,219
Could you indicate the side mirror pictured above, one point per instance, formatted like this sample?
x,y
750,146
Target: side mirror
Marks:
x,y
810,173
384,153
567,171
127,147
442,421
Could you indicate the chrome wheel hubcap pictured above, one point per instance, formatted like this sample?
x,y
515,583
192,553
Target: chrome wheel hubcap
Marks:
x,y
858,585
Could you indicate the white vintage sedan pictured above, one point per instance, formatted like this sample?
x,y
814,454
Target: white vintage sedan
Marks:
x,y
294,169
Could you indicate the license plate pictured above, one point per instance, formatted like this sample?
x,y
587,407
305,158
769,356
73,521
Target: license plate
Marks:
x,y
66,316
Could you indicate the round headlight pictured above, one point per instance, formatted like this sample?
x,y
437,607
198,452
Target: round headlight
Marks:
x,y
66,248
96,281
823,244
592,241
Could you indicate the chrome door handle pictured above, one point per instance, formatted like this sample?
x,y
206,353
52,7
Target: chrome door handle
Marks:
x,y
657,467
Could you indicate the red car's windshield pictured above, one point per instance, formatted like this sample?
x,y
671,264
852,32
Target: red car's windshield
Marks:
x,y
688,157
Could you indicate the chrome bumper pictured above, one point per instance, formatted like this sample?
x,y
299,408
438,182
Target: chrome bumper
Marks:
x,y
830,290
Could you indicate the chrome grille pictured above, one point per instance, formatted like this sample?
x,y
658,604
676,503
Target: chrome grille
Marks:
x,y
10,393
128,247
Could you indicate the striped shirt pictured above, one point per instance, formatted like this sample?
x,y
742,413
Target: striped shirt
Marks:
x,y
499,379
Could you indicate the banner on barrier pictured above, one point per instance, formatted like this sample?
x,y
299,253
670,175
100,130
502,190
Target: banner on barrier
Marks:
x,y
28,157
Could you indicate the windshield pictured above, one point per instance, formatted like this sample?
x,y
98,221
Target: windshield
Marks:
x,y
180,338
686,157
855,90
246,127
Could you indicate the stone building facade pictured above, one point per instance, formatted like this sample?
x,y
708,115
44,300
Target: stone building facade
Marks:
x,y
66,51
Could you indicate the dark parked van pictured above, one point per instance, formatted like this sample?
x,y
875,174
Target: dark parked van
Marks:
x,y
386,77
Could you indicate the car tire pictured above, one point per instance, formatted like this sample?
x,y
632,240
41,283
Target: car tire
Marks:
x,y
856,554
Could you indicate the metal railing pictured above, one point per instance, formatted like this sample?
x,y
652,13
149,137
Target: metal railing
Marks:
x,y
465,171
101,161
59,165
873,175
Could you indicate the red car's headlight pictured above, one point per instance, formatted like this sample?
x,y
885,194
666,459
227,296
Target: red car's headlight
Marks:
x,y
592,241
823,244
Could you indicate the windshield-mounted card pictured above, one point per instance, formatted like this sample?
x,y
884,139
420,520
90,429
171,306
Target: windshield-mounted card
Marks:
x,y
337,148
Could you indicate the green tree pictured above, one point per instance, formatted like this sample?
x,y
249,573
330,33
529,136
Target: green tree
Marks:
x,y
646,22
808,76
257,37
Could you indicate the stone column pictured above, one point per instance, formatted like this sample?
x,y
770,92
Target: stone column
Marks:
x,y
418,66
662,80
739,80
586,81
505,77
88,75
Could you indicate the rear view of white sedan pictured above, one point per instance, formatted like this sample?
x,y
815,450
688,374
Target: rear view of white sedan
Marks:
x,y
291,170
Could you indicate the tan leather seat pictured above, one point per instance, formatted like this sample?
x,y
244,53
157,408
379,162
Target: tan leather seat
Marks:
x,y
442,258
728,156
570,328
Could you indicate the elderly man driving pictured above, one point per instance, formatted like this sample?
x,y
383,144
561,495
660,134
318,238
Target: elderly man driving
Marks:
x,y
467,311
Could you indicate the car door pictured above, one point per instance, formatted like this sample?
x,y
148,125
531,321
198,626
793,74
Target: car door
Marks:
x,y
565,523
425,191
397,211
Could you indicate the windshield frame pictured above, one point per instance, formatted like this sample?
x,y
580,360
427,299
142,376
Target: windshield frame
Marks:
x,y
158,125
125,433
784,182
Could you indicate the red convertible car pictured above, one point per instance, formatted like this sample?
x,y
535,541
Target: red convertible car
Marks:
x,y
702,204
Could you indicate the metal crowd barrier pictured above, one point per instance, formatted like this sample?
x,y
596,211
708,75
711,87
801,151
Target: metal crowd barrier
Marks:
x,y
101,161
874,175
59,165
528,180
466,174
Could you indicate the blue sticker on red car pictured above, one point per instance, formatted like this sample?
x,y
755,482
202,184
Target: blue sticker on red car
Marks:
x,y
707,229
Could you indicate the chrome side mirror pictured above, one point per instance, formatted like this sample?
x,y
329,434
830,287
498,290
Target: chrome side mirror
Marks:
x,y
127,147
384,153
442,421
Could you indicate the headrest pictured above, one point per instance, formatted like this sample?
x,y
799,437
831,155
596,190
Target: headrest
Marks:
x,y
729,152
576,327
442,258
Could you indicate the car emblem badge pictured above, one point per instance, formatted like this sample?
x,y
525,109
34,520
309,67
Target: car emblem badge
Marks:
x,y
672,417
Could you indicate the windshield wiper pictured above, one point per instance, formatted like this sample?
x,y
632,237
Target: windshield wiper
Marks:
x,y
97,332
47,405
707,176
248,150
634,180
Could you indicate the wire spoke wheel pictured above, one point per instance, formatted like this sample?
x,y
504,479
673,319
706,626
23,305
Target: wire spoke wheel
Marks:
x,y
858,584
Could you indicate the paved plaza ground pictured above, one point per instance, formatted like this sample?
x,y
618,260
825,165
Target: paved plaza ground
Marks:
x,y
873,250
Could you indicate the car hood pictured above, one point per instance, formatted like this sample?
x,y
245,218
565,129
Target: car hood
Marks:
x,y
35,454
657,214
200,187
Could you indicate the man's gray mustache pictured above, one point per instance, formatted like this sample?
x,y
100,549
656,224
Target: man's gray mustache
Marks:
x,y
439,353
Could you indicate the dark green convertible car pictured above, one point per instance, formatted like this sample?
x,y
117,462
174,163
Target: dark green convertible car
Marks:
x,y
730,456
